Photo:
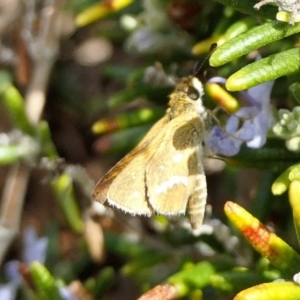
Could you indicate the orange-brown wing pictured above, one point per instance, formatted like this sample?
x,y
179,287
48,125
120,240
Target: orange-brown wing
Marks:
x,y
124,185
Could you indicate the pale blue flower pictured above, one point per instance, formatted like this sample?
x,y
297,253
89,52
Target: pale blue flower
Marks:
x,y
249,124
34,249
220,141
66,293
8,291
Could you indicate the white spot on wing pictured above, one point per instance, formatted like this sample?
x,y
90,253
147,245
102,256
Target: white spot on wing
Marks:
x,y
162,188
136,195
177,157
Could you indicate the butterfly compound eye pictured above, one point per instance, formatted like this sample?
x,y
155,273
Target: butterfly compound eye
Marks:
x,y
193,93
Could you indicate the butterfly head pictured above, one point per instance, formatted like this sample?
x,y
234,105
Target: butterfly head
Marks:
x,y
187,96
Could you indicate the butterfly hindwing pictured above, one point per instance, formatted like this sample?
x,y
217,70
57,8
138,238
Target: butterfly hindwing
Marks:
x,y
169,185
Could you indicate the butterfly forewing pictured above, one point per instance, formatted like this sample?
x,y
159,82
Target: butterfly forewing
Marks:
x,y
114,185
101,189
127,192
167,172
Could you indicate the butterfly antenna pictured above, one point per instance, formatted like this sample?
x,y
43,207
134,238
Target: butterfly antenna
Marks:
x,y
199,65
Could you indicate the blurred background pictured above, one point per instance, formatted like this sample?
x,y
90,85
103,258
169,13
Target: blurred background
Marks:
x,y
81,82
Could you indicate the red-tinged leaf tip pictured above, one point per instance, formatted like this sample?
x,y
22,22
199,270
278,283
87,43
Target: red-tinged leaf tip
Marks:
x,y
264,241
230,206
254,231
259,237
239,216
271,291
163,291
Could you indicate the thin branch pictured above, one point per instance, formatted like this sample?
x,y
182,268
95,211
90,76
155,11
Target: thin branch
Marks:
x,y
12,205
47,44
43,51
